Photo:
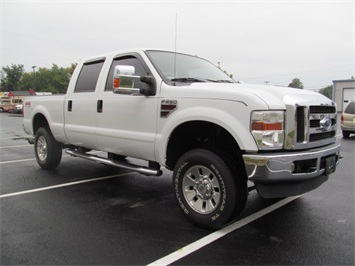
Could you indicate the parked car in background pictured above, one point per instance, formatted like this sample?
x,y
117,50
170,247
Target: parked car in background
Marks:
x,y
18,109
348,120
6,104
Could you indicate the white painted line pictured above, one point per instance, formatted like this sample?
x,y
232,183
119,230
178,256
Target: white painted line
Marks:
x,y
18,161
31,159
16,146
15,138
183,252
62,185
25,160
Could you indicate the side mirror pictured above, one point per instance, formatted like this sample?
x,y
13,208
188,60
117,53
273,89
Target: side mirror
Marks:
x,y
124,70
124,82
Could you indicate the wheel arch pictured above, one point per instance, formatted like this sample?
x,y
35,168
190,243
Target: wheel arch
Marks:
x,y
202,134
39,120
41,117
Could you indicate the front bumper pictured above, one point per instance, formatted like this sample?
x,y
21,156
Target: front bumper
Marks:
x,y
293,173
289,166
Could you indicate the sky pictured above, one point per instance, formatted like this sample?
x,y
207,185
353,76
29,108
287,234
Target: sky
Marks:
x,y
259,42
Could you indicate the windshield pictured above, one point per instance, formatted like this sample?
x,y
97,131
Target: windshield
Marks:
x,y
175,68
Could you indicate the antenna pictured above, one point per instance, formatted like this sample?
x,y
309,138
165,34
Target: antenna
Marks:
x,y
176,17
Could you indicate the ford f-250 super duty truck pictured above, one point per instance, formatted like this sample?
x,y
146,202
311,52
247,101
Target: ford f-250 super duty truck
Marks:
x,y
181,112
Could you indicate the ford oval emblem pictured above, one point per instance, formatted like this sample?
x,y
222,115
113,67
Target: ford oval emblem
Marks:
x,y
326,124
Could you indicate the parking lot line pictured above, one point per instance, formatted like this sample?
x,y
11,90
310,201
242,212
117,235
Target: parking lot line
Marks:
x,y
18,161
25,160
16,146
183,252
14,138
62,185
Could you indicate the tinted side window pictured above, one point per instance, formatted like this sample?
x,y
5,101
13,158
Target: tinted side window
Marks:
x,y
130,61
88,77
350,109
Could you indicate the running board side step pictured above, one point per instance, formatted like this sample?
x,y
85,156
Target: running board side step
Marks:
x,y
125,165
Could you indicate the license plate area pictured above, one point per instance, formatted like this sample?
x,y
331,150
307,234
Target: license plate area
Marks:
x,y
330,165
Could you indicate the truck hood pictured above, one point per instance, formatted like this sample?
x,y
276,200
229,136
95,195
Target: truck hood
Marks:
x,y
274,97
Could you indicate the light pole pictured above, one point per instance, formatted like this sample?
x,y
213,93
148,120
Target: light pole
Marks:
x,y
34,77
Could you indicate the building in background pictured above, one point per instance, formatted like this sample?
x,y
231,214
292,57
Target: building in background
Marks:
x,y
343,92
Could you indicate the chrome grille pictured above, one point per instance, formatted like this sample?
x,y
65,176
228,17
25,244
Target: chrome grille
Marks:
x,y
314,109
300,124
320,136
315,125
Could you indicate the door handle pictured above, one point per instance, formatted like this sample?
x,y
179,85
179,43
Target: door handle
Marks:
x,y
100,104
70,105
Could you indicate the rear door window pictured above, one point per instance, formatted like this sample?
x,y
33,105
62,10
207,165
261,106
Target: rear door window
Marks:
x,y
88,77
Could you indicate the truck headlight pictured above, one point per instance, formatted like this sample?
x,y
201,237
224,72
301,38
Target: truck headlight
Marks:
x,y
267,128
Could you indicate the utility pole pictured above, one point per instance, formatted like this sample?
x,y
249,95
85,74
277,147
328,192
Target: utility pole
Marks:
x,y
34,77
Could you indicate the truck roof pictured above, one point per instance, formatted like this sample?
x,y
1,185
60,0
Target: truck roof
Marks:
x,y
133,50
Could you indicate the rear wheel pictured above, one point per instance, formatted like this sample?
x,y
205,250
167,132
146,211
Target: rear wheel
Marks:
x,y
47,150
346,134
207,190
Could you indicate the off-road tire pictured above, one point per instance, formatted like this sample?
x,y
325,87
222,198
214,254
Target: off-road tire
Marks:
x,y
47,150
209,193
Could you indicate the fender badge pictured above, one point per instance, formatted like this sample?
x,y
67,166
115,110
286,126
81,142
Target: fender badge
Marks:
x,y
167,107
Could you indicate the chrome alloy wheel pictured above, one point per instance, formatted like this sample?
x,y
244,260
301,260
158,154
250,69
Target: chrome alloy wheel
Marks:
x,y
42,148
201,189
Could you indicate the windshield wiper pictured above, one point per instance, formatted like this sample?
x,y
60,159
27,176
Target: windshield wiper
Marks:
x,y
189,80
224,81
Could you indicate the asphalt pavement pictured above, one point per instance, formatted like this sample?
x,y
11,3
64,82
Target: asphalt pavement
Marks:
x,y
84,213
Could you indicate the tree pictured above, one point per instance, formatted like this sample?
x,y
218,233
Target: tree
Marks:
x,y
296,83
12,77
72,68
327,91
28,81
55,79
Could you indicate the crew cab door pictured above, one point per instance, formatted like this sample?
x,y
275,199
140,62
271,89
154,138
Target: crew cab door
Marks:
x,y
126,124
81,105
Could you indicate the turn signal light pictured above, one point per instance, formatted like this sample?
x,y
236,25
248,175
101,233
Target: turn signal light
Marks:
x,y
266,126
116,83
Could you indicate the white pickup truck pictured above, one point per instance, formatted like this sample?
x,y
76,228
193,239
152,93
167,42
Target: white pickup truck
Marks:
x,y
182,112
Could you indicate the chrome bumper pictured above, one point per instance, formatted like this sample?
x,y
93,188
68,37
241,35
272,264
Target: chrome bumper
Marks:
x,y
290,166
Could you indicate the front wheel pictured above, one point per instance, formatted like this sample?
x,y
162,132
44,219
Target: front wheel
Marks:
x,y
207,191
47,150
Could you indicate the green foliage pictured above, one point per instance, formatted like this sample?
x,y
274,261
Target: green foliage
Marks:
x,y
11,77
327,91
55,79
296,83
